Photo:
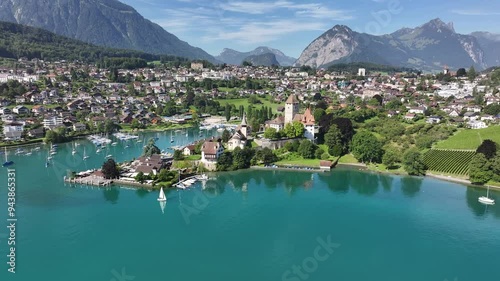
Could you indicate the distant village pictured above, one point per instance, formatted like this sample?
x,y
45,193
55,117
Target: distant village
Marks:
x,y
83,99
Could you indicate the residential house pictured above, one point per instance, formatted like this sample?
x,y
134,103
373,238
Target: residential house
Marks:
x,y
5,111
78,127
38,109
409,116
189,150
474,124
20,109
36,133
50,122
13,131
433,119
211,151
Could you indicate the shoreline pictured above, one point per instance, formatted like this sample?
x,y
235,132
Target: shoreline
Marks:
x,y
447,178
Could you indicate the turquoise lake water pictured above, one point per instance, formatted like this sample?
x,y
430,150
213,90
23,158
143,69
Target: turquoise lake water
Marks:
x,y
247,225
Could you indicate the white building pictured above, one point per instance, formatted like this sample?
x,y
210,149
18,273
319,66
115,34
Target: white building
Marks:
x,y
50,122
13,131
211,151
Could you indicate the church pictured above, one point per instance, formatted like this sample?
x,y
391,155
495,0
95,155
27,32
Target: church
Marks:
x,y
292,114
240,137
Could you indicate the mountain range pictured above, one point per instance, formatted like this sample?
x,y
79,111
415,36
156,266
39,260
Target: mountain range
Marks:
x,y
231,56
428,47
108,23
266,59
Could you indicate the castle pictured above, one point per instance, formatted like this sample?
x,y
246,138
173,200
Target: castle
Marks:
x,y
292,114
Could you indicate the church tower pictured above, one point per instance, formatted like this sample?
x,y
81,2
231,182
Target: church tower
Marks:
x,y
244,129
291,108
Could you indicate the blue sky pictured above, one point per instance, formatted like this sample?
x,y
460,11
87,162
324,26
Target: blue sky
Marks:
x,y
290,25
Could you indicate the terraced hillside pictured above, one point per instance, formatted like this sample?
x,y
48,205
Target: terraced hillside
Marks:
x,y
449,161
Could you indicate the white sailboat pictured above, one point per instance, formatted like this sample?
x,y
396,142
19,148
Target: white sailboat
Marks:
x,y
73,152
7,162
85,156
162,197
171,137
486,200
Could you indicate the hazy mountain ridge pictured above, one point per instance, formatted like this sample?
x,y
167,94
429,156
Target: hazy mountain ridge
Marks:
x,y
234,57
107,23
266,59
430,47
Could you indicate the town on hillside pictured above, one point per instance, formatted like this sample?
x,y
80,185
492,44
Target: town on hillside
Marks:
x,y
287,117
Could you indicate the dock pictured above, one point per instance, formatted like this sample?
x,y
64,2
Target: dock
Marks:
x,y
187,182
89,180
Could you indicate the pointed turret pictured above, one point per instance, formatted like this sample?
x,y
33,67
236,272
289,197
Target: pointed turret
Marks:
x,y
244,120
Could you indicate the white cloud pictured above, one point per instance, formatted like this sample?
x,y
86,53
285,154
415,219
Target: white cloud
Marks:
x,y
246,22
475,13
264,31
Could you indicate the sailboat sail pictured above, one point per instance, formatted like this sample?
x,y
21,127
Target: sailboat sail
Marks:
x,y
7,162
162,197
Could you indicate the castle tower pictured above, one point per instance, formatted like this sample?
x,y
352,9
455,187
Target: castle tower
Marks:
x,y
291,108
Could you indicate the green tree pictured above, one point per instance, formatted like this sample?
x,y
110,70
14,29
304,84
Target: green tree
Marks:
x,y
178,155
333,139
413,163
271,133
306,149
366,147
294,130
150,148
110,169
226,135
265,156
242,158
319,153
391,157
227,112
140,177
461,72
225,162
488,148
480,169
495,167
471,74
318,113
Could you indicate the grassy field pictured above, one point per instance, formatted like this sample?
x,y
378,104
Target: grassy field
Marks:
x,y
300,162
348,159
245,103
470,139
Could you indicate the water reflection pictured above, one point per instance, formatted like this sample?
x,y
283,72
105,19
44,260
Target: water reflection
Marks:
x,y
480,210
111,194
410,186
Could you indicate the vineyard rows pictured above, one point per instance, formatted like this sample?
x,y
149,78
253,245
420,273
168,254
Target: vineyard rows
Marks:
x,y
449,161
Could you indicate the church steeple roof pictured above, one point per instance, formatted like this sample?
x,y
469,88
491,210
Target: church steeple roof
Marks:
x,y
244,120
292,99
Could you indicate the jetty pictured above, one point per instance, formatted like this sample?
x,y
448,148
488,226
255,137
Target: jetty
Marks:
x,y
187,182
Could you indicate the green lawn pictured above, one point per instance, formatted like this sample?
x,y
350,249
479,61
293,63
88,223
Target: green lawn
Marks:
x,y
470,139
193,157
244,102
348,159
300,162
